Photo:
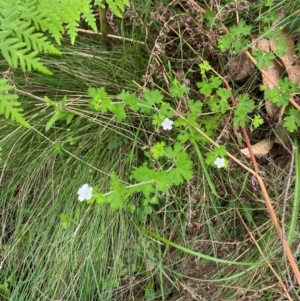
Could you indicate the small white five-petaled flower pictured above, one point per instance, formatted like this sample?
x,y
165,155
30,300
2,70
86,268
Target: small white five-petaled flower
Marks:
x,y
167,124
84,192
219,162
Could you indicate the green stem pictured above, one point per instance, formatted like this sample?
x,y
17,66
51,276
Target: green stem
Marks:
x,y
131,186
296,193
203,166
189,251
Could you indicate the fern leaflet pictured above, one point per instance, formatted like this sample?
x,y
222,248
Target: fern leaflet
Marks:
x,y
8,105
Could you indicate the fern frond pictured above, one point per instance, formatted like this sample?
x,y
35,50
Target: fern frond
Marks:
x,y
37,13
29,60
72,18
8,105
9,13
89,17
36,41
8,49
42,15
16,53
67,12
122,4
5,34
23,25
116,6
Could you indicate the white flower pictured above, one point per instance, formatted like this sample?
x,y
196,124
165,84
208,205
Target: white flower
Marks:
x,y
84,192
219,162
167,124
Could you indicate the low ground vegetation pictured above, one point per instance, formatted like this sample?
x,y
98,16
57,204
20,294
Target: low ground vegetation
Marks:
x,y
164,169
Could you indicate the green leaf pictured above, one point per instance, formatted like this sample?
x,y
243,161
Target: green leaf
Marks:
x,y
49,101
157,150
56,116
149,290
191,135
236,37
131,207
206,87
100,100
36,41
154,200
9,106
90,18
163,181
117,6
292,122
274,95
224,43
244,107
116,199
143,173
216,152
147,189
130,99
70,117
166,110
64,218
183,169
97,93
210,17
270,18
118,110
180,122
100,199
241,29
257,121
195,106
215,82
281,46
280,95
157,120
177,89
211,123
4,290
239,44
204,67
153,97
263,59
192,119
287,86
220,103
245,102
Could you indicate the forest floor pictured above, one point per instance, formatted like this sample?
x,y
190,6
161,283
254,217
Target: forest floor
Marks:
x,y
224,233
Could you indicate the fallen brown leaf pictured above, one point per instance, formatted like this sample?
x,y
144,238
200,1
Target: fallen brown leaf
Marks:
x,y
239,68
260,149
290,60
274,73
289,64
